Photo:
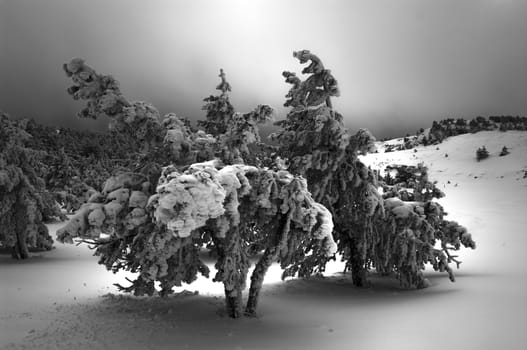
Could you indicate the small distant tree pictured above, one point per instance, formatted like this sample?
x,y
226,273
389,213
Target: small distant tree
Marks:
x,y
237,134
219,109
504,151
482,153
409,183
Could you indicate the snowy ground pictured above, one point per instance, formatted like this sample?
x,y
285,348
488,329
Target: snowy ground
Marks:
x,y
60,300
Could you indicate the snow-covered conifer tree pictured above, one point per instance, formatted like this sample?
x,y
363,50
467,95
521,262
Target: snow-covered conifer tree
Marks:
x,y
23,199
219,109
316,145
154,220
237,134
390,234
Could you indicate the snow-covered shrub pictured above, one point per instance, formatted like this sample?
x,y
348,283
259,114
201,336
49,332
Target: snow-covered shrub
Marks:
x,y
482,153
413,234
504,151
413,231
410,183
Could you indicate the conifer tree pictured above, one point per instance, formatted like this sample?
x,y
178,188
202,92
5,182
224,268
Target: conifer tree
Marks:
x,y
219,109
317,146
237,134
409,183
23,199
371,231
155,219
414,226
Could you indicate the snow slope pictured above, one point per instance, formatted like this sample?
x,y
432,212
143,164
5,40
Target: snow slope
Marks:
x,y
60,300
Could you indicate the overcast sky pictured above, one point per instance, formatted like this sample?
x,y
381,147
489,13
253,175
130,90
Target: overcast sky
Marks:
x,y
400,64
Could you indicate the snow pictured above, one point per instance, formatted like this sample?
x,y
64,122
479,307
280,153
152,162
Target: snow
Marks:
x,y
121,180
135,218
186,201
111,210
324,231
96,217
59,300
138,199
233,180
120,195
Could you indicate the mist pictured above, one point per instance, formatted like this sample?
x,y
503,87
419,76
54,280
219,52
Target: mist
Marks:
x,y
399,65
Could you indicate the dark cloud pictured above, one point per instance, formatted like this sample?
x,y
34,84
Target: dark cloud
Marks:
x,y
400,64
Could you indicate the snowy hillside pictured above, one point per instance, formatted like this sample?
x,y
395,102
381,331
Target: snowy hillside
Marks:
x,y
456,156
489,195
61,302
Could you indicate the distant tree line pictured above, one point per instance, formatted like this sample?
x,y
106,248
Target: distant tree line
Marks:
x,y
445,128
75,163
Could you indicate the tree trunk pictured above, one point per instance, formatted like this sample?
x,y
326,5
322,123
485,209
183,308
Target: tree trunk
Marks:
x,y
268,257
20,250
358,270
233,302
257,279
233,294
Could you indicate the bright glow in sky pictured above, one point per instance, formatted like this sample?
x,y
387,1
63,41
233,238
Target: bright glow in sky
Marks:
x,y
399,64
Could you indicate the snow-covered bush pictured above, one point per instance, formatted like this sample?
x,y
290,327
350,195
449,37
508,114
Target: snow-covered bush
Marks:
x,y
413,231
481,153
410,183
504,151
